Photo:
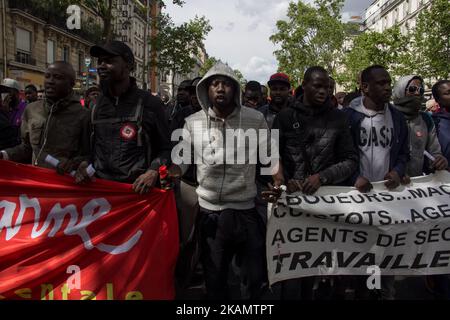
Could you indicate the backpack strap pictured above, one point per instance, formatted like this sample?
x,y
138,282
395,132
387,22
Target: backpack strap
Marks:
x,y
138,118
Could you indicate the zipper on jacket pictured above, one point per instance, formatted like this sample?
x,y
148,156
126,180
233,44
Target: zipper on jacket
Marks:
x,y
45,134
224,164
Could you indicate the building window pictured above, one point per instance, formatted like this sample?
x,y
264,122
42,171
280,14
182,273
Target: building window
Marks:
x,y
66,54
50,51
23,46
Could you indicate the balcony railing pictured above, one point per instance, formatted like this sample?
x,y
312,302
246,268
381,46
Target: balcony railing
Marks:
x,y
25,58
54,13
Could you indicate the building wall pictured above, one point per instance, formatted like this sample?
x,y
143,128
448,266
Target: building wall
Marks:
x,y
166,78
29,67
384,14
130,26
2,3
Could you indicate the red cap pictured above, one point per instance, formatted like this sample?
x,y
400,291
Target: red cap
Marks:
x,y
279,77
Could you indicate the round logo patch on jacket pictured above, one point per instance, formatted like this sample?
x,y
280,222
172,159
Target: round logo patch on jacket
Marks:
x,y
128,131
419,134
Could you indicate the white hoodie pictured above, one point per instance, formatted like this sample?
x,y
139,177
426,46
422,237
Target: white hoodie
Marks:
x,y
375,141
223,186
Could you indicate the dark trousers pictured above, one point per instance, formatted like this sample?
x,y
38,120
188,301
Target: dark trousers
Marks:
x,y
229,234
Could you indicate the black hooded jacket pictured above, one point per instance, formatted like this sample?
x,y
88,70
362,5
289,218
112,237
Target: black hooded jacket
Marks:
x,y
128,141
322,136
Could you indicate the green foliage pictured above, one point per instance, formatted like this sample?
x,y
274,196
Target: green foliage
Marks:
x,y
209,63
178,46
424,50
431,41
312,35
240,77
387,49
103,8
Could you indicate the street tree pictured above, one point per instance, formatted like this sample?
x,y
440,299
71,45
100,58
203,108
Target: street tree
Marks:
x,y
104,10
431,42
311,35
389,49
178,45
240,77
209,63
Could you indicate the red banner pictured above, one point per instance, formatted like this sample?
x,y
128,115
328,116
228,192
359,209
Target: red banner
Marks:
x,y
62,241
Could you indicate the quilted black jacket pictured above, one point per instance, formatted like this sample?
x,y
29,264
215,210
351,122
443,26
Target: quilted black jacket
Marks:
x,y
323,133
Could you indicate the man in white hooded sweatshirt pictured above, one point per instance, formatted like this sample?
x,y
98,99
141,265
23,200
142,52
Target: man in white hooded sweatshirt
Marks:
x,y
229,224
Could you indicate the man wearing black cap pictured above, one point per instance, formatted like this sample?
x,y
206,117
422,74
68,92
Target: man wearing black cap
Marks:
x,y
130,139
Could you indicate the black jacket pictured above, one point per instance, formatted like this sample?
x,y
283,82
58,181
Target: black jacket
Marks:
x,y
177,115
321,135
129,140
8,134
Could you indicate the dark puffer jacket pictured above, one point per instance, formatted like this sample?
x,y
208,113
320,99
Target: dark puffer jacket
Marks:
x,y
324,133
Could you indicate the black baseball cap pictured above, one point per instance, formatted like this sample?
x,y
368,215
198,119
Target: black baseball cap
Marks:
x,y
113,48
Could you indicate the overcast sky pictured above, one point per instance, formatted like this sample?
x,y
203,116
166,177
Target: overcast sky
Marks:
x,y
241,30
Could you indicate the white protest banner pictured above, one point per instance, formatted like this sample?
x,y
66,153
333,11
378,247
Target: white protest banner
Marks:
x,y
340,231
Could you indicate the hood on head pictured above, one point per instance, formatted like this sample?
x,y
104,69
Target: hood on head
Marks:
x,y
400,86
219,69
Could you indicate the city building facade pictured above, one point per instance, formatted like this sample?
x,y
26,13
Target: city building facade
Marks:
x,y
33,35
169,82
132,26
384,14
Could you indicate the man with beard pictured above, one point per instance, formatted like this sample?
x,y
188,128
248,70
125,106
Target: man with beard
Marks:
x,y
57,126
130,138
229,224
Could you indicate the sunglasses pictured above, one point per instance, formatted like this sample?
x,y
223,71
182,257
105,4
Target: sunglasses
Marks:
x,y
414,89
